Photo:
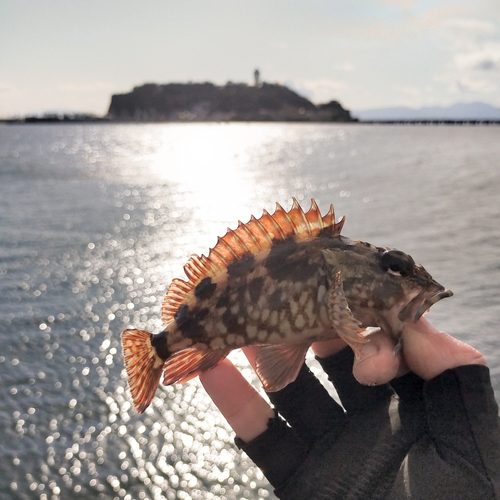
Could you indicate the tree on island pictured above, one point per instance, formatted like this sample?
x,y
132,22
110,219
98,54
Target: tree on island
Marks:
x,y
231,102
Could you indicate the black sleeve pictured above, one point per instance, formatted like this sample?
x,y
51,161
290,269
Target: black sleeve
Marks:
x,y
459,454
435,440
306,413
324,452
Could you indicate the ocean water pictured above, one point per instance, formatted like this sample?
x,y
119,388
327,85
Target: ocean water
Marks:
x,y
95,221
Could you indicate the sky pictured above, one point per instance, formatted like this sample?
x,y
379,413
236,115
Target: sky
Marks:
x,y
72,55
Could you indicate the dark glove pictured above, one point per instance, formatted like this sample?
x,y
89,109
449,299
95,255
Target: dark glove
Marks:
x,y
411,439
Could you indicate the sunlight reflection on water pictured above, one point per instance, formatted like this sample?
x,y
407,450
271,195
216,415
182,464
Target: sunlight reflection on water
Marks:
x,y
101,218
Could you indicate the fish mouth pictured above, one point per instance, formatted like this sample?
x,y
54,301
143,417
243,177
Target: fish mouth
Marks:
x,y
419,305
430,302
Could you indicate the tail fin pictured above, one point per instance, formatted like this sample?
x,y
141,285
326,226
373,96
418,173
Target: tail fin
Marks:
x,y
144,367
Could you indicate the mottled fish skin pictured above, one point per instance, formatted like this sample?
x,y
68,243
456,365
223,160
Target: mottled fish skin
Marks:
x,y
269,298
289,279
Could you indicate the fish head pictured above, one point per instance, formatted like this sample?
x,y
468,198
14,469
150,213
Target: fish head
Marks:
x,y
384,288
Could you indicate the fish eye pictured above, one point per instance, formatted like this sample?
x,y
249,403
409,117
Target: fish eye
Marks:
x,y
397,263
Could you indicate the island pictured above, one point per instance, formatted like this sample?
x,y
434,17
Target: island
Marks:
x,y
207,102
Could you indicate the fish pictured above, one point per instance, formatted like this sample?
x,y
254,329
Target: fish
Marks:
x,y
281,282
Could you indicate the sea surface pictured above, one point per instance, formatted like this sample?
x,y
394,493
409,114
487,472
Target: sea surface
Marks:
x,y
96,220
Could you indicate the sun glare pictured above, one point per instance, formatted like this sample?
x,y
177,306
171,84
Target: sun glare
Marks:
x,y
210,164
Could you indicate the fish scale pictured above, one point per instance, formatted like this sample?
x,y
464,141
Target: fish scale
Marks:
x,y
282,281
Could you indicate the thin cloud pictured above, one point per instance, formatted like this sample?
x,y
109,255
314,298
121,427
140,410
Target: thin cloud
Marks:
x,y
408,90
466,85
8,88
96,86
461,27
474,47
484,58
322,90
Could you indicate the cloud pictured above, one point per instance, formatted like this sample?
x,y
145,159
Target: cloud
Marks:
x,y
473,85
95,86
463,27
487,65
465,84
474,48
484,58
320,90
8,88
468,34
408,90
439,17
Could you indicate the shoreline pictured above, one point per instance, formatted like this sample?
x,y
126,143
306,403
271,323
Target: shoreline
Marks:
x,y
93,121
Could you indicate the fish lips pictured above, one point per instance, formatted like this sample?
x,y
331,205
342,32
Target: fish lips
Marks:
x,y
421,303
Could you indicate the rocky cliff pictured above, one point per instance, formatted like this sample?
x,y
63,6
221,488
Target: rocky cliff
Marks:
x,y
231,102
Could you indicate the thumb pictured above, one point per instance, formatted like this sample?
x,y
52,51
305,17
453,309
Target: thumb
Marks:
x,y
429,352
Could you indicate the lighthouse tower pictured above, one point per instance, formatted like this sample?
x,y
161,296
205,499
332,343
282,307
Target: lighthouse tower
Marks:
x,y
256,76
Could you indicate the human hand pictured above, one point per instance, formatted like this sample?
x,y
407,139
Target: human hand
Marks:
x,y
327,452
426,351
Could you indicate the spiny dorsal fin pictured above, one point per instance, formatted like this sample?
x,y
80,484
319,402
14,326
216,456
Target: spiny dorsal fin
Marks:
x,y
249,239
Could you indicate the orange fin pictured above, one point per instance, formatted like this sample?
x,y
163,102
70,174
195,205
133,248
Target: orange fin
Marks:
x,y
278,365
189,363
344,323
143,366
249,239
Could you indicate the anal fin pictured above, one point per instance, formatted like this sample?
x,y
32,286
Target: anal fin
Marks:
x,y
189,363
343,322
278,365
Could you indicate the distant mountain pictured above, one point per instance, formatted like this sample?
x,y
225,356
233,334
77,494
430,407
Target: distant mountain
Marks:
x,y
231,102
458,111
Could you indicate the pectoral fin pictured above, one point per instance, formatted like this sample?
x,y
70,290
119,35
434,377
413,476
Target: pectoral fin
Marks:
x,y
344,323
278,365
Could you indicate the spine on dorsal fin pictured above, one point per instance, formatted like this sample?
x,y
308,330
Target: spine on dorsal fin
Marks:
x,y
197,267
249,239
175,297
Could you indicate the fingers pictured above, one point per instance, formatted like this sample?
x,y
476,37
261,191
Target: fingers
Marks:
x,y
268,440
328,347
380,362
429,352
426,351
355,397
242,406
307,407
304,404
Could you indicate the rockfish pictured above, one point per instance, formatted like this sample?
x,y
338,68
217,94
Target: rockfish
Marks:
x,y
282,282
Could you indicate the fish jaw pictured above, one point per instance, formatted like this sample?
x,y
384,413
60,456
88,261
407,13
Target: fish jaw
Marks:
x,y
435,298
423,301
393,320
